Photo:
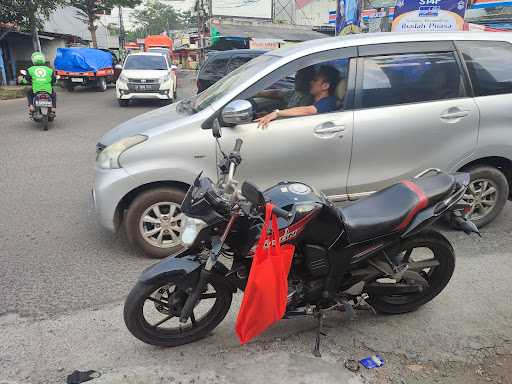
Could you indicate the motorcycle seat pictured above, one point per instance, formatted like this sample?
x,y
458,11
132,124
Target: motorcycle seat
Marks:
x,y
393,208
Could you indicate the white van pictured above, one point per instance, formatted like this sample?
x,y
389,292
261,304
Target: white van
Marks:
x,y
146,75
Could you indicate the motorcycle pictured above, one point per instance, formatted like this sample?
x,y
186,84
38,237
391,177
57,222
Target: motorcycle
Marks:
x,y
43,112
379,253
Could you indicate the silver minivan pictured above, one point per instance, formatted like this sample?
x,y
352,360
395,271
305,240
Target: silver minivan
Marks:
x,y
406,102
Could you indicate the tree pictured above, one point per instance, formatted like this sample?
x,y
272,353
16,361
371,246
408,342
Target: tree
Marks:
x,y
155,18
89,11
28,15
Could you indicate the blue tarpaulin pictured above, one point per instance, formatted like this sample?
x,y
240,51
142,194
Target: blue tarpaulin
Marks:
x,y
82,59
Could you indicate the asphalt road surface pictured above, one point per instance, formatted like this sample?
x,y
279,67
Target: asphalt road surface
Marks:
x,y
60,270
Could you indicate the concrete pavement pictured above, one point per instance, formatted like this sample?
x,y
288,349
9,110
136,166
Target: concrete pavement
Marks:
x,y
63,280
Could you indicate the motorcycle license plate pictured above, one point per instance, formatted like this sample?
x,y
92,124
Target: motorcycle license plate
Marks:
x,y
77,80
43,103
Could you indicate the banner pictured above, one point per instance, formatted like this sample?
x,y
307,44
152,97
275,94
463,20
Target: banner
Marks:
x,y
261,9
491,3
429,15
348,13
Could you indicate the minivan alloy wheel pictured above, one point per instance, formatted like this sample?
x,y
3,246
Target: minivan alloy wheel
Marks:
x,y
160,224
481,197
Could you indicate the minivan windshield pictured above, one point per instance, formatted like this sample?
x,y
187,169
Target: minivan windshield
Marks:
x,y
239,75
146,62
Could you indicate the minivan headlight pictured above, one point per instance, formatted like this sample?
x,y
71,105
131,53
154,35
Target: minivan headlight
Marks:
x,y
165,78
190,229
109,157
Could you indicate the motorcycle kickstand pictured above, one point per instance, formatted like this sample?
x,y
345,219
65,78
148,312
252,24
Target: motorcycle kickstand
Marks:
x,y
320,317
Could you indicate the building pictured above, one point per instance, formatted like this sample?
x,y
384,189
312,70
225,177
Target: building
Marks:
x,y
16,50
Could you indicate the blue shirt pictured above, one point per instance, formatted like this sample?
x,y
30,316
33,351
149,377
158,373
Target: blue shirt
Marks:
x,y
325,105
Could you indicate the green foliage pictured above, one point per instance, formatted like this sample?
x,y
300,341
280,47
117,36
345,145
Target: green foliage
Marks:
x,y
90,10
21,12
157,17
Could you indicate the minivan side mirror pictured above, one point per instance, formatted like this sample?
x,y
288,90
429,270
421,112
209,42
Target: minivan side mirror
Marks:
x,y
216,129
174,67
119,66
237,112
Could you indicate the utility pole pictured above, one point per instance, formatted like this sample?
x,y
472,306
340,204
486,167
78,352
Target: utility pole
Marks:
x,y
36,44
121,30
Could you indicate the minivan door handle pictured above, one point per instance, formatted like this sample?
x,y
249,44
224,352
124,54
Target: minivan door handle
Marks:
x,y
329,129
454,114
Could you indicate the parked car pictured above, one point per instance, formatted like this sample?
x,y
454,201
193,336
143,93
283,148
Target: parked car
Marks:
x,y
146,76
220,63
416,101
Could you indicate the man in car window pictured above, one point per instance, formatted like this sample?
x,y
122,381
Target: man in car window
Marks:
x,y
297,97
322,88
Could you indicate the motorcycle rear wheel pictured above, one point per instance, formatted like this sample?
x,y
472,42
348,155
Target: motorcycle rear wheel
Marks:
x,y
161,333
437,276
45,122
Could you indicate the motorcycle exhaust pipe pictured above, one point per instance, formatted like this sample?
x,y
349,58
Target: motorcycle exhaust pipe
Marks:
x,y
387,289
467,226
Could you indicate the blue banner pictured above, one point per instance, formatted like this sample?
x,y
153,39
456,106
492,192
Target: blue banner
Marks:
x,y
429,15
348,14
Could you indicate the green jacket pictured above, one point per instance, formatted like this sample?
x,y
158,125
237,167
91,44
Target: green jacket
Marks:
x,y
42,78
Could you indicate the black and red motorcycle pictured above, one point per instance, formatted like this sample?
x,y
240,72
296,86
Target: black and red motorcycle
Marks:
x,y
378,253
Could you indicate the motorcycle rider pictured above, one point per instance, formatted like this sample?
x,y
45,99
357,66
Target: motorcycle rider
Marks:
x,y
42,78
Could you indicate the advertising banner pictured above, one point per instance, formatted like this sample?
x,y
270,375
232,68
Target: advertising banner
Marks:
x,y
348,13
429,15
261,9
491,3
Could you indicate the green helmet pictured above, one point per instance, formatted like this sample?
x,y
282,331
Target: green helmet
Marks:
x,y
38,58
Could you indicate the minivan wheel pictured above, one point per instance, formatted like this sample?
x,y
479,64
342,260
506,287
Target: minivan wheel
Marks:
x,y
153,222
486,195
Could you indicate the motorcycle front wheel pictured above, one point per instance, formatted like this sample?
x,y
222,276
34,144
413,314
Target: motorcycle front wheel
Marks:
x,y
151,312
432,256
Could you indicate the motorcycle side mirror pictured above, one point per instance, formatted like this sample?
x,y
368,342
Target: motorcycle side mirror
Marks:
x,y
253,194
216,129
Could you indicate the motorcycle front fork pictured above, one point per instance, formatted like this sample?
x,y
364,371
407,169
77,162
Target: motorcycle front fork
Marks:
x,y
213,257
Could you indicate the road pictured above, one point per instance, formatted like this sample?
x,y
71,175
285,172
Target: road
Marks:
x,y
63,280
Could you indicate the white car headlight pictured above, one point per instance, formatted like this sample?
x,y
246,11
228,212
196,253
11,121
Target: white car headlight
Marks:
x,y
165,78
190,229
109,157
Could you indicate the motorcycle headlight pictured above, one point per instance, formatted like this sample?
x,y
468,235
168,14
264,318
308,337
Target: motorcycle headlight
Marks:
x,y
109,157
190,229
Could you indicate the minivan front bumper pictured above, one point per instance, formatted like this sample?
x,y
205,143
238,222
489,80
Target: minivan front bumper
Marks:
x,y
130,95
110,186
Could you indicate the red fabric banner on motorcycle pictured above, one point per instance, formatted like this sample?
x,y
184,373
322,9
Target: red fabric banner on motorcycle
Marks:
x,y
266,293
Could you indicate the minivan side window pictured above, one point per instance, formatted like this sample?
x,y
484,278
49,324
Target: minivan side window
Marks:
x,y
217,66
489,65
409,78
238,61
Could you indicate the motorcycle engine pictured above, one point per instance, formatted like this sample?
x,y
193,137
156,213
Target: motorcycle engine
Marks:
x,y
311,265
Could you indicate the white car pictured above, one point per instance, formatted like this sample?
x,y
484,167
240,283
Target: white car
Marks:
x,y
146,76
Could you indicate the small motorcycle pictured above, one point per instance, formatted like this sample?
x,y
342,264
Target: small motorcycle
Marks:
x,y
378,253
43,112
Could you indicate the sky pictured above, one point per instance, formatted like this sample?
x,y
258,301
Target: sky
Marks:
x,y
179,5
